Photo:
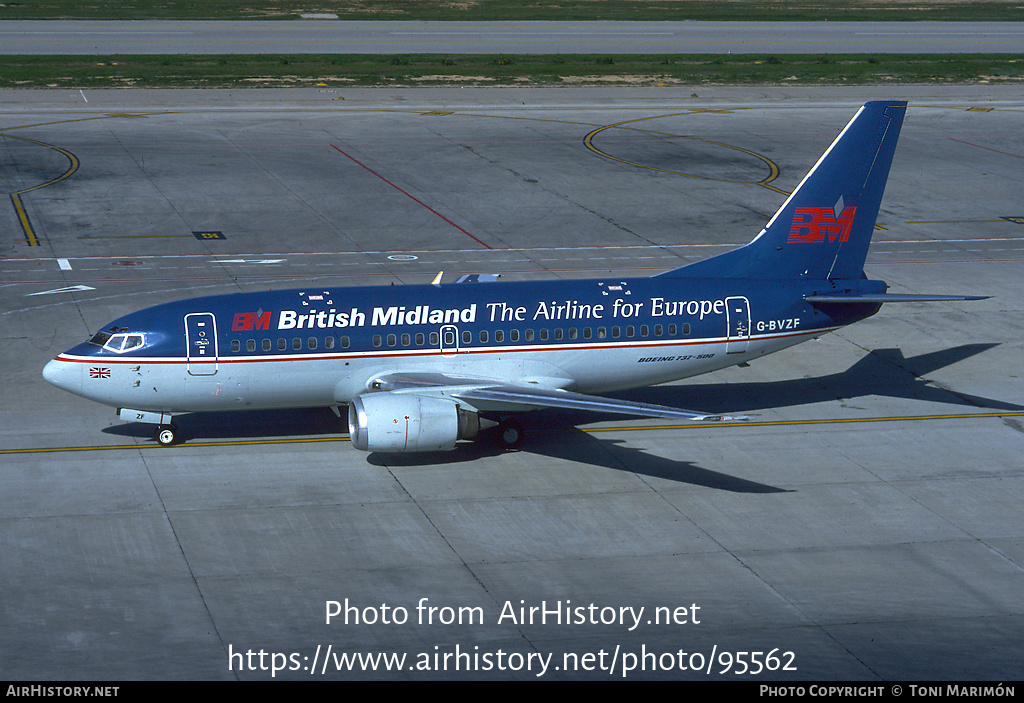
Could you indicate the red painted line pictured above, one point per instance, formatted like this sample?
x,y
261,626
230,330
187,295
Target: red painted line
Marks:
x,y
1004,153
944,261
411,196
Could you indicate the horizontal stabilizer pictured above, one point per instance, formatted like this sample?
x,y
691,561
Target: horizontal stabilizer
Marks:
x,y
855,298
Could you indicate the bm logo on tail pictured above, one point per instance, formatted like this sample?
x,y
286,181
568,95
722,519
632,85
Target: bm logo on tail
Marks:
x,y
813,225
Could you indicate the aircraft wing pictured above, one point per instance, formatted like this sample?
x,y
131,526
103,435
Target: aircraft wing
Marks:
x,y
489,395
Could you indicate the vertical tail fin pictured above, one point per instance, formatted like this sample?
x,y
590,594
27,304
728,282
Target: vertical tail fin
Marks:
x,y
823,230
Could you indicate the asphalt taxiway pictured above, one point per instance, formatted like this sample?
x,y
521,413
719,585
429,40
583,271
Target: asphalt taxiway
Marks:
x,y
105,37
865,524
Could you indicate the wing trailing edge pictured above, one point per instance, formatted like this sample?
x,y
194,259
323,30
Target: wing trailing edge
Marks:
x,y
545,398
496,396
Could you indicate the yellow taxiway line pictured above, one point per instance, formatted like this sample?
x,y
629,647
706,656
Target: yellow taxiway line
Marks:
x,y
617,428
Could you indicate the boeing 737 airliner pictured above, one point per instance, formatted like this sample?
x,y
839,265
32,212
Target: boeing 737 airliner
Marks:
x,y
423,366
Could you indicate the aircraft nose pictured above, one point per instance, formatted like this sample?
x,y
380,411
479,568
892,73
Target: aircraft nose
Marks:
x,y
64,375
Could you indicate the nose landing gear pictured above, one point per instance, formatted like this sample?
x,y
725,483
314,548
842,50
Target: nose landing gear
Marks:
x,y
166,435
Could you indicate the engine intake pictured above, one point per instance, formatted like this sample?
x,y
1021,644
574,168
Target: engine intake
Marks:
x,y
396,422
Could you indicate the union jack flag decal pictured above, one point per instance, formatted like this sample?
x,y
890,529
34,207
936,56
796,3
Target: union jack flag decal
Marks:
x,y
99,372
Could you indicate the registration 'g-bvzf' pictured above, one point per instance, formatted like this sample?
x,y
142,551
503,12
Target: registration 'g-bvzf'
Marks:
x,y
423,366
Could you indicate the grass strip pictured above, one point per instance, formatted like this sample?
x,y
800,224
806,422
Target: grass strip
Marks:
x,y
653,10
341,70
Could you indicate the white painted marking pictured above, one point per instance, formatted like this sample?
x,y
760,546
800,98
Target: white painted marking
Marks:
x,y
248,261
64,264
69,289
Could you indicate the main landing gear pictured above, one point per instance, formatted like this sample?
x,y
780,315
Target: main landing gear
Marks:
x,y
510,432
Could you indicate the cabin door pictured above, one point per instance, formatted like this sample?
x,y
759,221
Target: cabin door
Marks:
x,y
737,312
201,343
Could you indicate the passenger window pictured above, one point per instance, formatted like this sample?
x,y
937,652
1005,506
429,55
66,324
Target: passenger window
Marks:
x,y
467,337
644,330
483,336
658,330
376,340
686,328
671,330
616,331
529,335
514,335
543,335
311,342
296,343
329,343
499,336
587,334
266,345
236,345
282,344
558,333
345,342
419,339
250,345
392,340
434,339
602,332
572,333
630,330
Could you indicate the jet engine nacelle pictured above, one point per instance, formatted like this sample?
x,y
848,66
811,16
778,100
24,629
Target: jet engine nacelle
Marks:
x,y
395,422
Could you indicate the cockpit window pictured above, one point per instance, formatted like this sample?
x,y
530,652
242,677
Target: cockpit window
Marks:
x,y
133,341
100,338
120,343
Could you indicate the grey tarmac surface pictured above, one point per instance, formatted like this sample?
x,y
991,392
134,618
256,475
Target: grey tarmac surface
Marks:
x,y
103,37
867,520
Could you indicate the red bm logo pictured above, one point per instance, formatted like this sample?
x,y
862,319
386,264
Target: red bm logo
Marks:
x,y
250,321
815,224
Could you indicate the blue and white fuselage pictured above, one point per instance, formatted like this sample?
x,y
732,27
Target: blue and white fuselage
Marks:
x,y
419,366
321,347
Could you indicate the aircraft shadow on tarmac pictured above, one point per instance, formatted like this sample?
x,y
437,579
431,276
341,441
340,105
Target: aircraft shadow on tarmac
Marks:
x,y
882,372
560,439
553,433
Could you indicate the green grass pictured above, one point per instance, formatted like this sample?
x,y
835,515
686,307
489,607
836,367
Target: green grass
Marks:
x,y
340,70
750,10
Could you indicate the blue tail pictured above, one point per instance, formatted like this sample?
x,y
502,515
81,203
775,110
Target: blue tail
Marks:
x,y
823,230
